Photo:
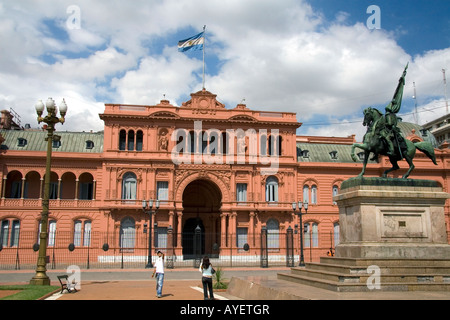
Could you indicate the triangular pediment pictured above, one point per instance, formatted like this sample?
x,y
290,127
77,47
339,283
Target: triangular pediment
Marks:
x,y
164,114
203,100
242,117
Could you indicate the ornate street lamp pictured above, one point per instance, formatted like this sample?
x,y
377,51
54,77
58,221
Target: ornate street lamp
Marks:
x,y
300,214
51,119
147,206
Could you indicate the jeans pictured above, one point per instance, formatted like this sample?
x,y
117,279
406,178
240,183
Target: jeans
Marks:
x,y
159,283
207,282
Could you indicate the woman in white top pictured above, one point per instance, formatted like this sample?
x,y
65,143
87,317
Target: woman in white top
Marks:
x,y
207,271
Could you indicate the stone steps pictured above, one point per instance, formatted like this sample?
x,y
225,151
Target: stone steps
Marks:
x,y
348,274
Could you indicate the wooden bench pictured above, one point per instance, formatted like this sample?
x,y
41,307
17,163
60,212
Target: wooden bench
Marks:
x,y
65,285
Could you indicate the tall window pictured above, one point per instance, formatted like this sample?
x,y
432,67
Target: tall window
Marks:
x,y
306,193
272,189
315,235
274,145
4,232
127,233
16,189
314,195
82,233
263,144
122,140
9,237
205,139
241,238
162,188
310,194
335,192
241,192
86,191
271,145
273,230
51,233
139,140
129,184
193,143
161,239
336,233
130,140
311,234
307,235
224,143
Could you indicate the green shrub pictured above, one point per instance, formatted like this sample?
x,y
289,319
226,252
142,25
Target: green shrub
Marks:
x,y
219,279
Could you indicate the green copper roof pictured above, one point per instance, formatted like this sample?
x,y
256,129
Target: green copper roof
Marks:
x,y
322,152
407,129
31,140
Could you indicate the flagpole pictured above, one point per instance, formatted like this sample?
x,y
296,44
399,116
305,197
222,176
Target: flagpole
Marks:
x,y
204,42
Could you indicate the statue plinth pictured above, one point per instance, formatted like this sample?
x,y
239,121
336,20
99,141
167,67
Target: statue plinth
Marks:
x,y
392,218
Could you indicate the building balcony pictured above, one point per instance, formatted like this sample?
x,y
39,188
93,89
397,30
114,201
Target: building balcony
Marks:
x,y
54,203
7,203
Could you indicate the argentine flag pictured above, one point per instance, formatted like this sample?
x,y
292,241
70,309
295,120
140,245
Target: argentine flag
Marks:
x,y
192,43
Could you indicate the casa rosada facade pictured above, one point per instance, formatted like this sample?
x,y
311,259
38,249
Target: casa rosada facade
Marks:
x,y
220,176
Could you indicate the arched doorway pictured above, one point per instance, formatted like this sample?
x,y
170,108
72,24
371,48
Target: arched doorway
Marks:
x,y
201,208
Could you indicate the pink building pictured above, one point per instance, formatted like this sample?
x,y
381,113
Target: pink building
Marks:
x,y
228,173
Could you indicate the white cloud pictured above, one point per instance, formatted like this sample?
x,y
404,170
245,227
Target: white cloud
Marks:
x,y
170,74
278,55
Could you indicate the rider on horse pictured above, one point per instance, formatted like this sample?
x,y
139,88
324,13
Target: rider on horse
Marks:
x,y
391,133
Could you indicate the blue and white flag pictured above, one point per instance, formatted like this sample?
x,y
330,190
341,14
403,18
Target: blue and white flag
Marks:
x,y
192,43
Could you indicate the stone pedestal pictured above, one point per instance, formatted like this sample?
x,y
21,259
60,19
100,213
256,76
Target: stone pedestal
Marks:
x,y
392,227
392,218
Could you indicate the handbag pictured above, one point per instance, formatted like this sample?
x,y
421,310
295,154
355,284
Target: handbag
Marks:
x,y
213,270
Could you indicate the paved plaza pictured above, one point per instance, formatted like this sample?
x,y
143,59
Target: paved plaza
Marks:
x,y
185,284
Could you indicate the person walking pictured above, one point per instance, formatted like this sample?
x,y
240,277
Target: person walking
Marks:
x,y
159,271
207,271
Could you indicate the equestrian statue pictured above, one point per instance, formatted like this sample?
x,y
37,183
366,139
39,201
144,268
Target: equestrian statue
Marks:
x,y
383,137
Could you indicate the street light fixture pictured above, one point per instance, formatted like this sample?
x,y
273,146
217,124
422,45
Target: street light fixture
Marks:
x,y
300,214
147,206
51,119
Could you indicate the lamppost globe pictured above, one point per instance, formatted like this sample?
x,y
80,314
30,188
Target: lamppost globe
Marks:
x,y
39,107
50,104
63,108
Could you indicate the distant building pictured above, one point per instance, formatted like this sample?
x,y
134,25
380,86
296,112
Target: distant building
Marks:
x,y
440,128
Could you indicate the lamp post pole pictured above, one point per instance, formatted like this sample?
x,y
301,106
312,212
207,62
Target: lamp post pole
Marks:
x,y
41,278
148,208
294,205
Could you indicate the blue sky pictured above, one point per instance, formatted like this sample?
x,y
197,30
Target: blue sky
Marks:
x,y
317,58
419,25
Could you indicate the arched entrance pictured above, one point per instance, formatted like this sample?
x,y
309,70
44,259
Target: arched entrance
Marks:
x,y
201,208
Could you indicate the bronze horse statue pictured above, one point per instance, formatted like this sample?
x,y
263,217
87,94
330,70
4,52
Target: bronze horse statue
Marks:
x,y
374,142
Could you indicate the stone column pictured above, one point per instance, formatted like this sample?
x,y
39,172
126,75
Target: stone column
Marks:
x,y
251,229
223,230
